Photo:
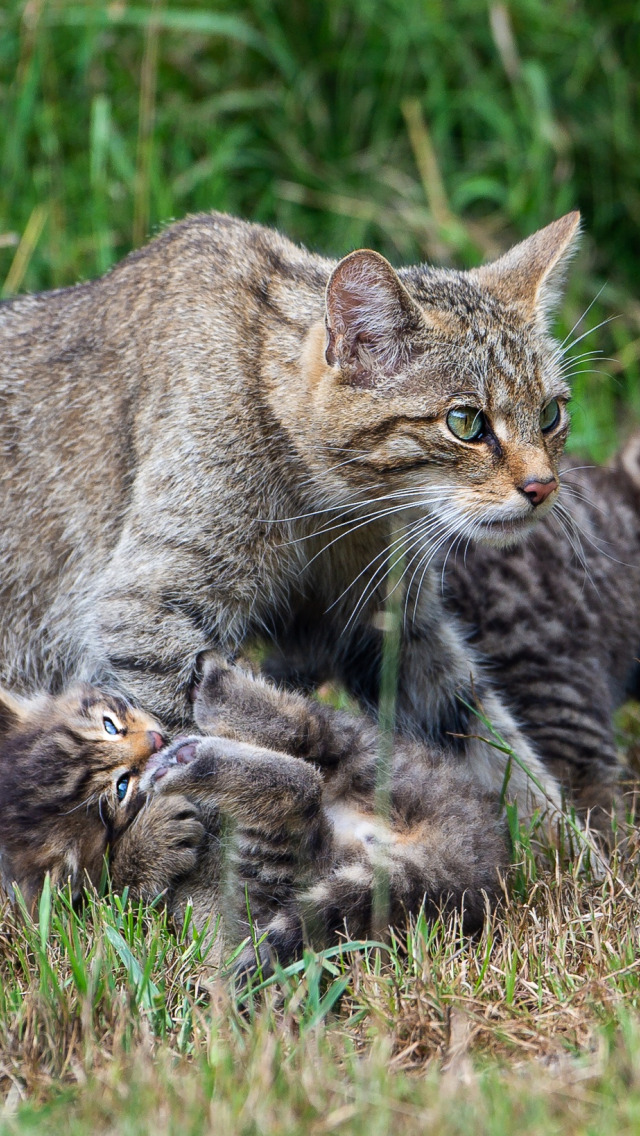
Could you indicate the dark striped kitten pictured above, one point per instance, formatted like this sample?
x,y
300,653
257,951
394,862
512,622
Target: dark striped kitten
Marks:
x,y
560,630
69,774
283,820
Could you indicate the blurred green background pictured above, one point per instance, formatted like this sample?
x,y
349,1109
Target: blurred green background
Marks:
x,y
430,130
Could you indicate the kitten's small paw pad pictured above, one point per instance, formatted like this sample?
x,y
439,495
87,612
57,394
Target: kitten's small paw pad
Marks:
x,y
186,753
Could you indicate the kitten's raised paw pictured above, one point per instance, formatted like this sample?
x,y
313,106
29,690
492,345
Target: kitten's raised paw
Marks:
x,y
232,703
160,847
175,834
181,752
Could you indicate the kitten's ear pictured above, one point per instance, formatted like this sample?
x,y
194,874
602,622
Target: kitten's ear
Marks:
x,y
12,713
531,273
372,323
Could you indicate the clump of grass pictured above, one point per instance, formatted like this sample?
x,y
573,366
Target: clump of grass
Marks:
x,y
108,1012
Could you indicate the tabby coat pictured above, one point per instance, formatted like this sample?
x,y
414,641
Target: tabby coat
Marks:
x,y
557,619
69,773
212,441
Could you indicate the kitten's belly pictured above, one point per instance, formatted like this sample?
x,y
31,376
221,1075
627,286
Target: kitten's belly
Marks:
x,y
353,828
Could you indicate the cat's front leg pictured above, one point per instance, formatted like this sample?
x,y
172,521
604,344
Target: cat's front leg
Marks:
x,y
141,636
443,694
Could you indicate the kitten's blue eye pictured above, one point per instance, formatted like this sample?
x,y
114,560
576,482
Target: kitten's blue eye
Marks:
x,y
110,726
121,787
549,415
467,423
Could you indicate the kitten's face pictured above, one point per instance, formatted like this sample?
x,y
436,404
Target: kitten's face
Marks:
x,y
70,768
446,394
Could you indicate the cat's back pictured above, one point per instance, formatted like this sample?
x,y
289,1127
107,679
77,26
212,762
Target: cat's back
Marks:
x,y
138,385
207,282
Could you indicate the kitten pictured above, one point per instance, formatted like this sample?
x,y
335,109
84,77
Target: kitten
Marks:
x,y
558,620
70,769
213,440
283,821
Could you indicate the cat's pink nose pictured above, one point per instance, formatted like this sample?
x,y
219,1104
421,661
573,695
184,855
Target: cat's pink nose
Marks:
x,y
538,491
156,740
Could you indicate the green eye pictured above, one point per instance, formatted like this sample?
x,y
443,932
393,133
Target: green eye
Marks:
x,y
121,787
549,415
467,423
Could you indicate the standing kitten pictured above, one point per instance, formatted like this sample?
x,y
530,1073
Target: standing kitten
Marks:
x,y
560,630
295,822
213,440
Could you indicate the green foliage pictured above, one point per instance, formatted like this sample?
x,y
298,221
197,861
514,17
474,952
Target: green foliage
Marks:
x,y
426,130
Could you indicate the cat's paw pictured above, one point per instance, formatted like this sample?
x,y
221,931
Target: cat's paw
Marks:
x,y
174,832
229,702
168,763
160,847
232,703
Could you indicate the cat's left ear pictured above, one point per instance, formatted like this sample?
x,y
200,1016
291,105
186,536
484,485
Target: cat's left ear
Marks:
x,y
531,274
374,327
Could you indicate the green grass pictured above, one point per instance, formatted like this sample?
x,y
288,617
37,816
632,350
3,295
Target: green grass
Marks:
x,y
429,131
109,1020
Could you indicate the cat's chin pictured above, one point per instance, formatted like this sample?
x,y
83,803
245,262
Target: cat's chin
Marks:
x,y
505,534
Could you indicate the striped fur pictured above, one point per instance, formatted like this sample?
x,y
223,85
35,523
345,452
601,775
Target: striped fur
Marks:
x,y
60,767
296,798
560,630
277,832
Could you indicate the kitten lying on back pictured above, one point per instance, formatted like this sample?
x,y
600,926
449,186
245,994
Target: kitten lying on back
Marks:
x,y
561,631
306,840
70,769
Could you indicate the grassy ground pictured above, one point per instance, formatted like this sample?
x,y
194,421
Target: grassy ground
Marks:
x,y
109,1022
430,131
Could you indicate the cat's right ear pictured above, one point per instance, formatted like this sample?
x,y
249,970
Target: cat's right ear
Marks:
x,y
373,325
530,275
12,713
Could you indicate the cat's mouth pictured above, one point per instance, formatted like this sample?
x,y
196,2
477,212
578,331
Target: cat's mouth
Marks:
x,y
182,751
502,532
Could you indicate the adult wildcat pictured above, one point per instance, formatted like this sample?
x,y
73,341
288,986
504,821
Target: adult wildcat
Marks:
x,y
305,839
182,441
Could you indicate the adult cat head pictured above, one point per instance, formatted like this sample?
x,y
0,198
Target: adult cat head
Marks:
x,y
442,391
70,768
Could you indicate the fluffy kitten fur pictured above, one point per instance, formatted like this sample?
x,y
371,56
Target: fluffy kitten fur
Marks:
x,y
60,768
180,439
291,805
560,630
